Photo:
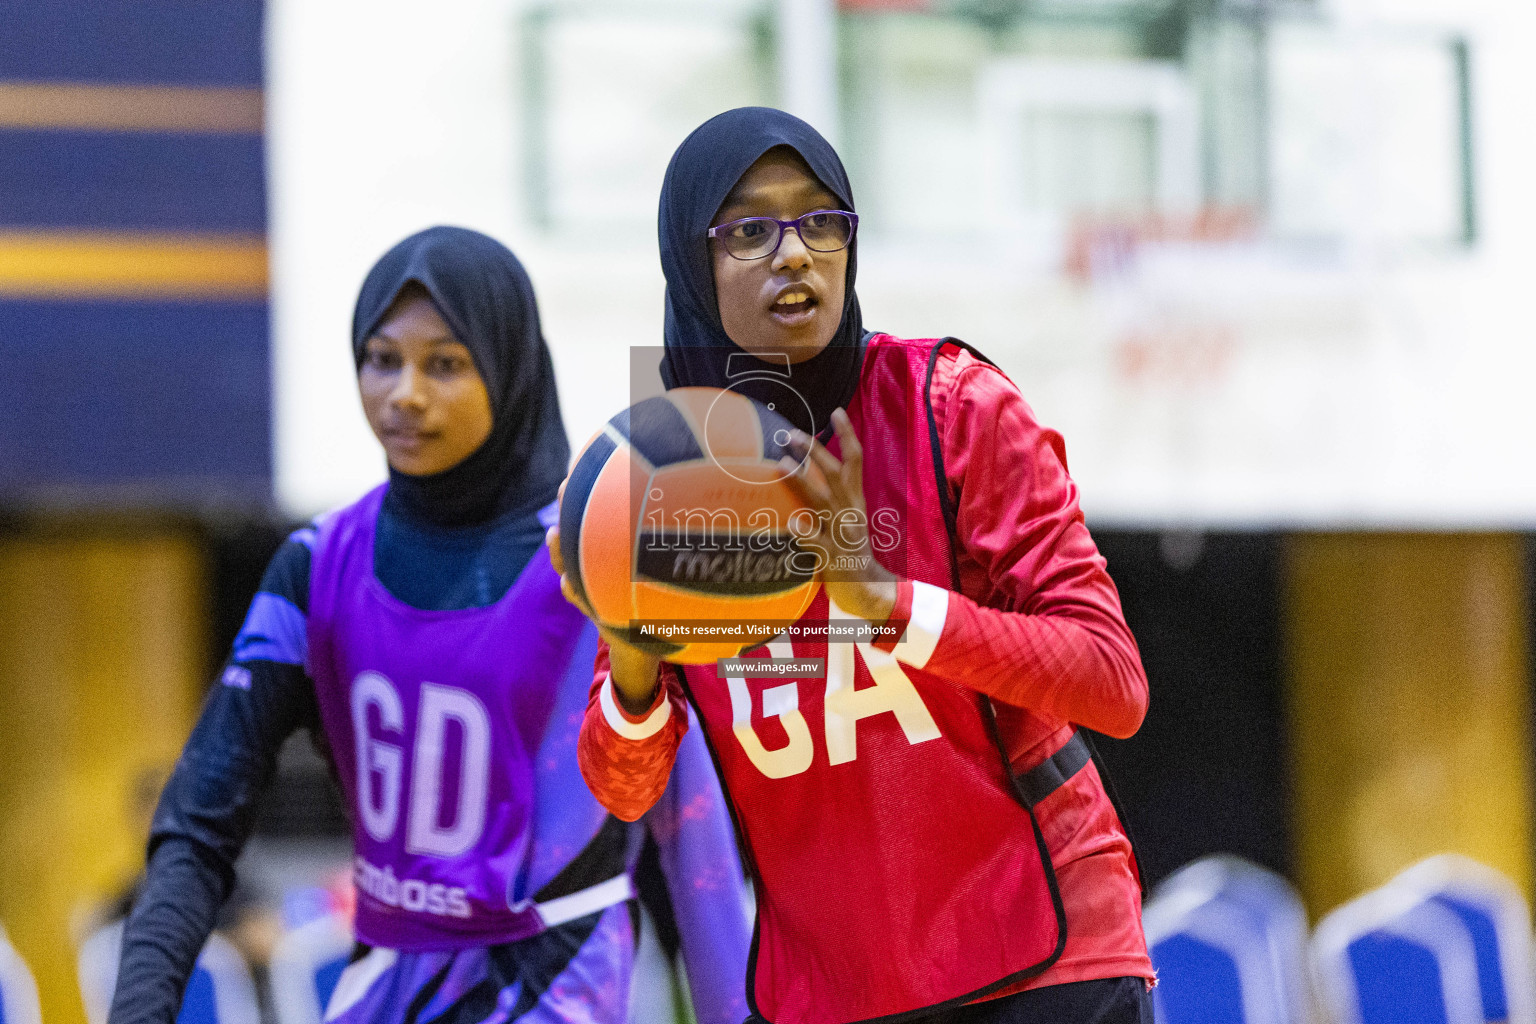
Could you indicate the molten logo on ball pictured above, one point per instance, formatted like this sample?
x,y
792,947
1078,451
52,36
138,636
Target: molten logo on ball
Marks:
x,y
678,510
731,567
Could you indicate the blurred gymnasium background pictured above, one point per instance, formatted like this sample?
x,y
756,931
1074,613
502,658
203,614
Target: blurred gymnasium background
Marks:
x,y
1266,264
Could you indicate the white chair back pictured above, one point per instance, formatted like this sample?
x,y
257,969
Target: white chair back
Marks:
x,y
18,992
1397,956
1495,914
654,989
306,964
1228,939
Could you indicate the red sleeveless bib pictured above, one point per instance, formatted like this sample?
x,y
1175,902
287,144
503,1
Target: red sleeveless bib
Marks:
x,y
897,869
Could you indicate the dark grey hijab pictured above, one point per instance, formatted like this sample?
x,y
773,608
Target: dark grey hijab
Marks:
x,y
484,295
702,173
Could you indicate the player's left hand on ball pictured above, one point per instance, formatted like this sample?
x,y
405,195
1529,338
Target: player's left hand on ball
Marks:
x,y
552,541
557,560
834,490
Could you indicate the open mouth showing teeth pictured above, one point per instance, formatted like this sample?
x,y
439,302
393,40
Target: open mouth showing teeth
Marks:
x,y
794,302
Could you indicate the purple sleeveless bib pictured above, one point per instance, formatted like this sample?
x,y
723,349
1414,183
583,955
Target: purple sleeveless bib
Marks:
x,y
435,720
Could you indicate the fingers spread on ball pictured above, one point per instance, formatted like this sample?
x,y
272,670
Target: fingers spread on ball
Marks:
x,y
853,452
811,484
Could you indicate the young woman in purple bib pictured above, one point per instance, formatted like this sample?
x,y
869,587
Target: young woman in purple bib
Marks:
x,y
421,634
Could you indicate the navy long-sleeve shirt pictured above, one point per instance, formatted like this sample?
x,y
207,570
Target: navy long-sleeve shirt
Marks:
x,y
263,696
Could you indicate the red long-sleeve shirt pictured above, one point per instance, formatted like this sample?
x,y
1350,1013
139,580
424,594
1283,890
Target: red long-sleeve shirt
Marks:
x,y
1036,626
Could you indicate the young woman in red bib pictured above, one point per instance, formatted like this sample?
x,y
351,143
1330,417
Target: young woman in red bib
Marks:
x,y
930,837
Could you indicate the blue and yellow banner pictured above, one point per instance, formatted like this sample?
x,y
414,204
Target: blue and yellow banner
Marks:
x,y
133,255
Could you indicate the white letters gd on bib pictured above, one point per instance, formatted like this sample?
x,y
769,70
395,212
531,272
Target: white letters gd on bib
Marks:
x,y
380,762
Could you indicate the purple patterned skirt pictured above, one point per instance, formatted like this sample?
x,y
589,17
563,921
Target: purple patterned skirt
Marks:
x,y
576,973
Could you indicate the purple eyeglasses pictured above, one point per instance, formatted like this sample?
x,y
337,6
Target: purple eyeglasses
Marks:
x,y
752,238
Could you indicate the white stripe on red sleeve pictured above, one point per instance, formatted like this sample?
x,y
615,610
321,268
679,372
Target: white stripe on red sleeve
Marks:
x,y
623,724
930,611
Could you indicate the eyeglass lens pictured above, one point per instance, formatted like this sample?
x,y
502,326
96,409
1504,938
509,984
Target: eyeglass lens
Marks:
x,y
822,231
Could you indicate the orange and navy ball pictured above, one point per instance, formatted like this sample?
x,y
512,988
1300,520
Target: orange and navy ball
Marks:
x,y
677,524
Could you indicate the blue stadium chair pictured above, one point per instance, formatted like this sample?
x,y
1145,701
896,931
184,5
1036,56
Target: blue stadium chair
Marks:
x,y
1495,914
1228,939
219,992
18,992
306,964
1398,956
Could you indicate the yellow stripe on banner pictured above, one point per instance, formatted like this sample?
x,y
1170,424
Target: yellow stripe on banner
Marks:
x,y
39,264
139,108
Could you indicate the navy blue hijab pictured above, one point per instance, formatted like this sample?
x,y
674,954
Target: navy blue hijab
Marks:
x,y
702,173
482,292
